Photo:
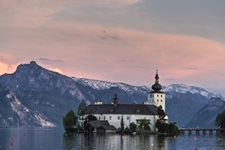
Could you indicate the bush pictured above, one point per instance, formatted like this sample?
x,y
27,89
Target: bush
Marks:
x,y
173,129
144,124
168,129
133,127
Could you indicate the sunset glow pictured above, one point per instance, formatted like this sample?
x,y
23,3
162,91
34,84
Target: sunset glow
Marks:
x,y
56,70
119,41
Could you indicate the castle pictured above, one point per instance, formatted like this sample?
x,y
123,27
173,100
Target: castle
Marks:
x,y
130,113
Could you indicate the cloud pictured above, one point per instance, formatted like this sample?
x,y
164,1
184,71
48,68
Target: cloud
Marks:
x,y
47,60
80,44
108,3
98,50
35,13
107,36
191,68
171,79
28,13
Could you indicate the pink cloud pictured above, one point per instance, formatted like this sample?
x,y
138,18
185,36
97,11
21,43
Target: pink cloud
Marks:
x,y
110,3
131,53
118,54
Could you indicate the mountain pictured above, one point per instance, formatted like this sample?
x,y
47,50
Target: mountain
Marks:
x,y
35,96
104,91
14,113
51,94
181,88
103,85
48,93
183,102
207,115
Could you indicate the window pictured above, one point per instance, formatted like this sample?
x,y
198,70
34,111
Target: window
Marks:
x,y
161,100
118,117
161,95
110,117
157,100
104,117
128,118
99,118
157,95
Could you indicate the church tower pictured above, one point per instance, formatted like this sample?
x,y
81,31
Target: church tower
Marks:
x,y
157,97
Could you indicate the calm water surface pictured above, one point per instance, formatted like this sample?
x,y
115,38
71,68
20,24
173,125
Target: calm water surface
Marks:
x,y
54,139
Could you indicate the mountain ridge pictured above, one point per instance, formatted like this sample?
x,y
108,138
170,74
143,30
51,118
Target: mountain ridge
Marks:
x,y
207,114
51,94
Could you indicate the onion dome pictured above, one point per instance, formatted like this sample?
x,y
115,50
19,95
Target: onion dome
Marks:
x,y
156,86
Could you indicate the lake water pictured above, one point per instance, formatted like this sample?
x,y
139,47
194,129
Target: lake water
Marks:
x,y
54,139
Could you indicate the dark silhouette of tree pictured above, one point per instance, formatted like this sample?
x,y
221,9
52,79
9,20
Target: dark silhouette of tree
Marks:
x,y
220,120
173,129
81,112
161,113
70,121
89,118
165,128
122,126
133,126
88,129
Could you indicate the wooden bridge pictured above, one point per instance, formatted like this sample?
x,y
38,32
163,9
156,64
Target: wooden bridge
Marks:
x,y
204,131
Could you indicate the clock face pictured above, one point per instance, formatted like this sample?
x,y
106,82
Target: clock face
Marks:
x,y
151,95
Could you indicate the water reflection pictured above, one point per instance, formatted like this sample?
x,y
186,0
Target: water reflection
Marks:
x,y
55,139
69,141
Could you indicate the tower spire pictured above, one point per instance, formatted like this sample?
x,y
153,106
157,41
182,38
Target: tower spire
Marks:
x,y
156,86
156,77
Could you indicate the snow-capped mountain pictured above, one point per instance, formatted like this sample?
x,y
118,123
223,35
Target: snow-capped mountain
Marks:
x,y
182,88
39,97
183,102
104,85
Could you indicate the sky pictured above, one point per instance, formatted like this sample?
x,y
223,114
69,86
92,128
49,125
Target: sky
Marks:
x,y
118,40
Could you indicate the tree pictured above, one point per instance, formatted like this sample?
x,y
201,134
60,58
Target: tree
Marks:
x,y
87,128
89,118
173,129
122,125
81,112
161,113
220,120
70,121
133,126
163,128
166,129
144,124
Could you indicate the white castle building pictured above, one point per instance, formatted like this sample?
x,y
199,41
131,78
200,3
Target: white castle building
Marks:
x,y
113,113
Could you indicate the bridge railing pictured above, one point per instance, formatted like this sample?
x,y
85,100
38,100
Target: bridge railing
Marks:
x,y
203,131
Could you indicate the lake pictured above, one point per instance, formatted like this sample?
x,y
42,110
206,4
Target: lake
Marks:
x,y
54,139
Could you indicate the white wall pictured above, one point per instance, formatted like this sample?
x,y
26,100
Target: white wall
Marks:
x,y
115,119
159,99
